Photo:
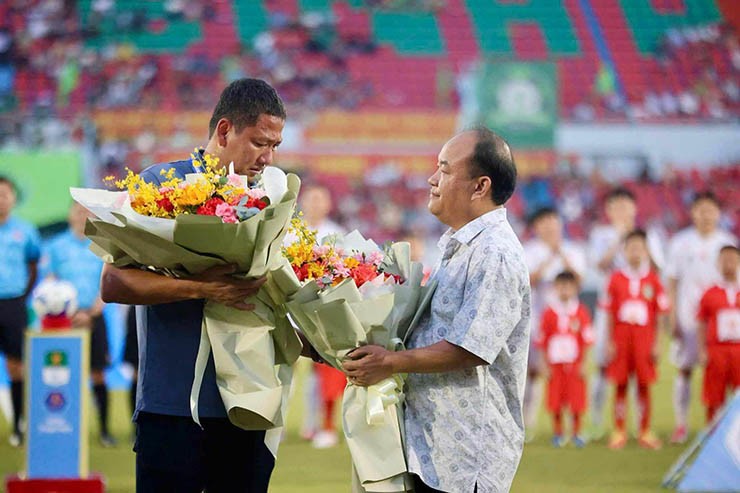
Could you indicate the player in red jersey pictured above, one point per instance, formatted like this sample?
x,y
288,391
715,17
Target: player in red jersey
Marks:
x,y
635,300
719,332
565,333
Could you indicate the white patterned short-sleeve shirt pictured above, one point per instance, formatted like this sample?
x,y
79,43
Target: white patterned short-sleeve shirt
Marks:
x,y
465,427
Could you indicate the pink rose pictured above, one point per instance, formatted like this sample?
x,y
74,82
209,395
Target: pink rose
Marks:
x,y
227,213
235,181
375,258
256,193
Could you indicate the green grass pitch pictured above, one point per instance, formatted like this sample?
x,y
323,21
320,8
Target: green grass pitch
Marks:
x,y
300,468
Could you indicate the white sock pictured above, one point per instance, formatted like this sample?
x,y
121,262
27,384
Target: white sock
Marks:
x,y
598,399
532,399
681,399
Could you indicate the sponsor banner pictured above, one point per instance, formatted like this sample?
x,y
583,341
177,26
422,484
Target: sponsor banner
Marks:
x,y
515,99
57,368
43,180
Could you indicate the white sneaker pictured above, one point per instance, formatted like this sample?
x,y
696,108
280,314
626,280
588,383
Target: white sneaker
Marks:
x,y
325,439
15,440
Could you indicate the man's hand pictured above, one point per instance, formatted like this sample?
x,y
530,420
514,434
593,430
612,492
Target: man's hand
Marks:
x,y
219,285
82,320
368,365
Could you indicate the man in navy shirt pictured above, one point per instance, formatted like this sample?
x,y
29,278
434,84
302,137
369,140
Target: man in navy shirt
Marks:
x,y
20,247
172,453
68,257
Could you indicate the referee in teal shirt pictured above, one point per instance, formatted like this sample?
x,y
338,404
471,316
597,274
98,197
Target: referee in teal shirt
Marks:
x,y
20,252
68,257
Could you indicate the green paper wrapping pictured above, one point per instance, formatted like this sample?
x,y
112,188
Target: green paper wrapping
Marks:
x,y
253,351
337,320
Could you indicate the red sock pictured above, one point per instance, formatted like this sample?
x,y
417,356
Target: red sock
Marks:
x,y
557,423
643,399
329,415
576,424
620,406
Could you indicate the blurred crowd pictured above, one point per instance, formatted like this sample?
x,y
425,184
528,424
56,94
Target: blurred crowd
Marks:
x,y
60,58
693,76
387,202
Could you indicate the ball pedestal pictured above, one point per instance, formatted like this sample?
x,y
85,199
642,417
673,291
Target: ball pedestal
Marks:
x,y
57,397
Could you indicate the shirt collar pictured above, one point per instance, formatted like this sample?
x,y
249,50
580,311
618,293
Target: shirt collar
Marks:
x,y
467,233
565,308
638,274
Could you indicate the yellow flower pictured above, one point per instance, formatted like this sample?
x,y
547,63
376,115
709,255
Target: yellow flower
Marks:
x,y
315,271
192,195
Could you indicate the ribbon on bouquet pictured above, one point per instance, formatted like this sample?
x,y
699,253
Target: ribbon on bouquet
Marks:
x,y
386,393
380,396
373,424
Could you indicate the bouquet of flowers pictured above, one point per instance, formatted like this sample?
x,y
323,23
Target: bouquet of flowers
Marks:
x,y
185,226
348,292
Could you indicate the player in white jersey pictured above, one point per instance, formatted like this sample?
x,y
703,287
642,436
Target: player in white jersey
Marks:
x,y
606,253
547,254
691,270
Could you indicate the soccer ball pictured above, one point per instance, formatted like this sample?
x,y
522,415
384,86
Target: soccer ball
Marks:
x,y
54,298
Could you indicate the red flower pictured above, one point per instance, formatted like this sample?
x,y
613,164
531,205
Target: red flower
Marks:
x,y
399,279
258,203
301,272
363,273
164,203
209,208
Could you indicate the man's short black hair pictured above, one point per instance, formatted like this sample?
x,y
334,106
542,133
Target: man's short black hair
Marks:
x,y
620,193
636,233
566,276
243,101
492,158
705,195
9,182
542,213
729,248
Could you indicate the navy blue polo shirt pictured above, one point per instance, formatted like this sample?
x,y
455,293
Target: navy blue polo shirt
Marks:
x,y
169,336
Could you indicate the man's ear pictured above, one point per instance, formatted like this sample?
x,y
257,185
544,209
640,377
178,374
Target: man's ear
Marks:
x,y
482,188
222,129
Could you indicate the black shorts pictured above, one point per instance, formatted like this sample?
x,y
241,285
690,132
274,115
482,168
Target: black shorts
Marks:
x,y
99,358
173,454
131,348
13,324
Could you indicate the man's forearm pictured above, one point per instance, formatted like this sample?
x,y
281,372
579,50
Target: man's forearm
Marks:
x,y
440,357
139,287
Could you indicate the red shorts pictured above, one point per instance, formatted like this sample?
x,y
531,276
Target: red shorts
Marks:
x,y
331,382
566,387
722,372
634,355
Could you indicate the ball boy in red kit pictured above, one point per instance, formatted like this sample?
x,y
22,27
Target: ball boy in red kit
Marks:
x,y
635,300
719,332
564,335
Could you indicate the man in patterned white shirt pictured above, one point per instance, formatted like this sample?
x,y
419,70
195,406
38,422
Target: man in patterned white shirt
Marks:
x,y
467,359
